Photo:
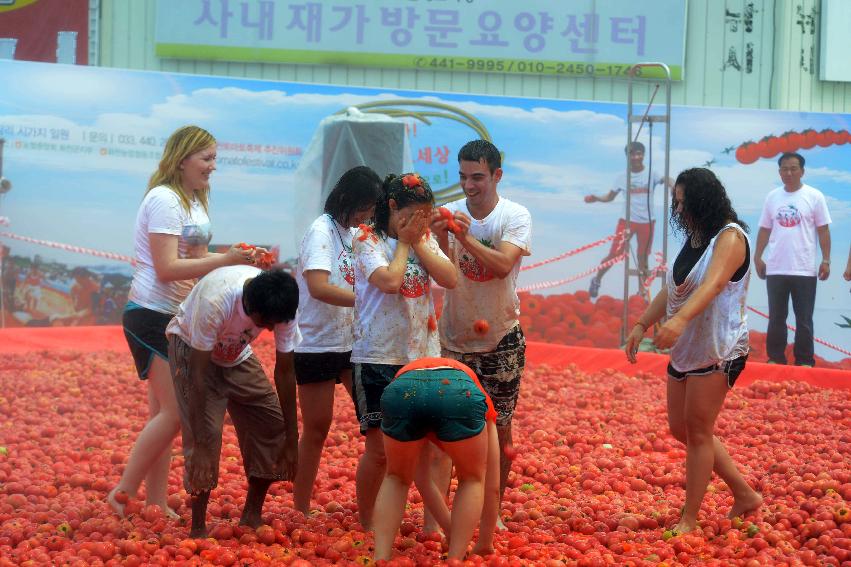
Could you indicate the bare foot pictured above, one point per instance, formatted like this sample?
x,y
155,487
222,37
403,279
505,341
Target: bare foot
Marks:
x,y
682,527
198,533
745,504
116,506
483,550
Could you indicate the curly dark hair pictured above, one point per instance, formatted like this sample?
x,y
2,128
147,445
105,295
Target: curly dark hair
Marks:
x,y
406,189
479,150
706,207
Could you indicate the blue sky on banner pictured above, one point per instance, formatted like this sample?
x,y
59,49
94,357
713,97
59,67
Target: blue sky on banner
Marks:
x,y
556,152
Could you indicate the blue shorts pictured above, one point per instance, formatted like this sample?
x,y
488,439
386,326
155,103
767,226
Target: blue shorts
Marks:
x,y
443,401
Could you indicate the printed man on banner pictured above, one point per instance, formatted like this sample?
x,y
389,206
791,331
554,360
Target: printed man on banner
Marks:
x,y
641,222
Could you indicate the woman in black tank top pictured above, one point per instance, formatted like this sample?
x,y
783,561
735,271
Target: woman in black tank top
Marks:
x,y
701,211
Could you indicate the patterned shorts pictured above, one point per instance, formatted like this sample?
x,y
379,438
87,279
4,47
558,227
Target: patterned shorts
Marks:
x,y
499,371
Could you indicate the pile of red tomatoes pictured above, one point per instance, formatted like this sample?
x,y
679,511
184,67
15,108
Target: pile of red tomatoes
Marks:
x,y
575,319
596,481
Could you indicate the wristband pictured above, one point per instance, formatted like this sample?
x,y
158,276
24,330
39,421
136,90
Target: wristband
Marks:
x,y
642,325
826,262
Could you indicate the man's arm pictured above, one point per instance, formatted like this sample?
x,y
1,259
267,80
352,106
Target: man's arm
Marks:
x,y
761,243
601,198
201,466
500,260
285,386
824,244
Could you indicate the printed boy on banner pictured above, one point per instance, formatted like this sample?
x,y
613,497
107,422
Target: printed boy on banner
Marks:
x,y
526,22
307,17
393,17
587,31
622,33
440,24
360,19
207,16
265,18
489,22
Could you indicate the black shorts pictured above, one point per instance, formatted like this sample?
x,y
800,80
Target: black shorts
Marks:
x,y
144,330
730,368
315,367
368,384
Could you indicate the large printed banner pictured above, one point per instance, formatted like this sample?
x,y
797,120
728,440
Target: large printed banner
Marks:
x,y
81,143
600,38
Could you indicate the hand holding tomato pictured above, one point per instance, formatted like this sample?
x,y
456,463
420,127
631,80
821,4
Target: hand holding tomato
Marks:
x,y
240,253
669,333
590,198
462,223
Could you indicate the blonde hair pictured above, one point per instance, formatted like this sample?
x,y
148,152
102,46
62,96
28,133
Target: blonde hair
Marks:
x,y
184,142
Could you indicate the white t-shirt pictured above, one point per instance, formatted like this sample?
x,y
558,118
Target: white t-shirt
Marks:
x,y
326,246
161,212
478,294
639,194
392,328
793,218
212,318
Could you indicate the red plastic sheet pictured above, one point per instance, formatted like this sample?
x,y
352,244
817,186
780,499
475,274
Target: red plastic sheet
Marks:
x,y
90,339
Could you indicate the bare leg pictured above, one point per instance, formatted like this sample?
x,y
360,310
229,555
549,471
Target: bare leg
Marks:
x,y
490,507
470,460
440,474
434,499
316,402
252,512
393,493
746,498
151,453
369,476
199,515
505,439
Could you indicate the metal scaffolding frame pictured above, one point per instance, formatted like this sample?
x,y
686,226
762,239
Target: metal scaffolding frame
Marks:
x,y
650,119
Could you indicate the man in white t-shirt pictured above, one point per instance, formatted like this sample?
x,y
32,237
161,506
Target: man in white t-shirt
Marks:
x,y
214,370
641,222
794,219
480,325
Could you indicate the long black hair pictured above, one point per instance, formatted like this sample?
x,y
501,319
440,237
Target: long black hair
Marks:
x,y
706,207
357,189
406,189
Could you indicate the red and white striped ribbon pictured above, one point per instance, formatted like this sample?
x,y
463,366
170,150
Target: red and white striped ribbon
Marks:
x,y
586,273
659,268
816,339
574,252
70,247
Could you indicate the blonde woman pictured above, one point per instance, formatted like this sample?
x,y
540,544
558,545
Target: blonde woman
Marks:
x,y
171,237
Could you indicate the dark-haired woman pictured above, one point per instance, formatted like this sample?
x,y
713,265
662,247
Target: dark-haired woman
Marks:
x,y
706,329
394,314
326,278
